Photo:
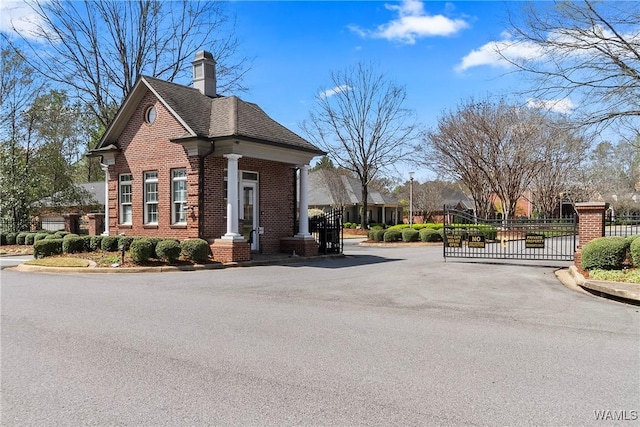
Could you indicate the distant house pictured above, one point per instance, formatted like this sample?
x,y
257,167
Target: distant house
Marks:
x,y
330,189
57,214
186,162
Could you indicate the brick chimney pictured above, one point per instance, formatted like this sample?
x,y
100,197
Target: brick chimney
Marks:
x,y
204,73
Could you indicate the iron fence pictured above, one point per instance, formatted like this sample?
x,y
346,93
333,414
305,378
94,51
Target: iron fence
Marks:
x,y
327,230
621,225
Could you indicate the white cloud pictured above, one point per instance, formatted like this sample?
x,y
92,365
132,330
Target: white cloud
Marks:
x,y
494,54
562,106
18,15
413,23
334,91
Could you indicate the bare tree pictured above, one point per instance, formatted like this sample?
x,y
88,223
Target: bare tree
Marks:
x,y
562,156
492,146
99,48
585,51
362,123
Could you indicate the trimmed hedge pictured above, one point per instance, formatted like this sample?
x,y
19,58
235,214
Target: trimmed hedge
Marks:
x,y
410,235
109,243
605,253
30,239
393,236
61,234
52,236
47,247
124,242
11,238
376,235
40,236
21,237
72,244
168,250
140,250
430,235
398,227
95,243
634,251
195,249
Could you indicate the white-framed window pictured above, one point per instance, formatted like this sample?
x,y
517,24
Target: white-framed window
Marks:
x,y
178,196
150,115
125,181
151,197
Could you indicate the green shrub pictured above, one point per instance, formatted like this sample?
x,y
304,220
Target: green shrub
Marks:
x,y
61,234
346,225
634,251
29,239
40,236
11,238
51,237
605,253
354,225
630,239
392,235
95,243
3,239
70,235
140,250
430,235
21,237
124,242
398,227
47,247
377,225
377,235
168,250
109,243
195,249
72,244
418,226
86,243
410,235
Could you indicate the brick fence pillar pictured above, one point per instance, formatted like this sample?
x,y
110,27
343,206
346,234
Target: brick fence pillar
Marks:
x,y
96,223
71,222
591,221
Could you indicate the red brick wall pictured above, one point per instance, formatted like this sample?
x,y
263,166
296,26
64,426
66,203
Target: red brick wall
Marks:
x,y
148,148
590,226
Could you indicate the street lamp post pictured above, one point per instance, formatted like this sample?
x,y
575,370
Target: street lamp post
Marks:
x,y
410,199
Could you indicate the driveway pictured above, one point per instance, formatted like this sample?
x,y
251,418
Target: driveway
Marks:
x,y
385,336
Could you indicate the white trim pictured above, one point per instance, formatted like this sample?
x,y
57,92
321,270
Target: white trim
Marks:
x,y
121,204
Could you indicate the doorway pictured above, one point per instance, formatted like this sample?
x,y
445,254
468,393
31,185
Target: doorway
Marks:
x,y
249,214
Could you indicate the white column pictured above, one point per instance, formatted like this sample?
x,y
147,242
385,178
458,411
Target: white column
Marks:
x,y
105,168
232,197
304,202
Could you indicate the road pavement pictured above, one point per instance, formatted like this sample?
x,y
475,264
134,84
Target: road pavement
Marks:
x,y
384,336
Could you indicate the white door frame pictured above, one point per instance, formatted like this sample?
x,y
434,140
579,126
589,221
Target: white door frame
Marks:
x,y
253,185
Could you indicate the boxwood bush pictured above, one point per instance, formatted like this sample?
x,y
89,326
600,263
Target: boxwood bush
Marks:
x,y
29,239
124,242
21,237
72,244
410,235
398,227
168,250
109,243
195,249
605,253
377,235
634,251
61,234
393,235
140,250
95,243
40,236
11,238
430,235
47,247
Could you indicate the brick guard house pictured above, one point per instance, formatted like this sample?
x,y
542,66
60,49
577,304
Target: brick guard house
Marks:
x,y
186,162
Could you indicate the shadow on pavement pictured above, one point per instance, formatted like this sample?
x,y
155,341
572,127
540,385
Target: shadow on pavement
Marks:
x,y
346,261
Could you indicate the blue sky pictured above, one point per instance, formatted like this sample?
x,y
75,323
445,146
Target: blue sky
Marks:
x,y
440,51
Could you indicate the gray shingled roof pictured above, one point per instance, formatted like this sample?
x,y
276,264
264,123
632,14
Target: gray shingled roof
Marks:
x,y
225,116
325,190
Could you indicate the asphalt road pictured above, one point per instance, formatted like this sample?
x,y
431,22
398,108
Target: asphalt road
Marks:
x,y
382,337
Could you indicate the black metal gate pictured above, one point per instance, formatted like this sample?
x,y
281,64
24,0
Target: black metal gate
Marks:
x,y
517,239
327,230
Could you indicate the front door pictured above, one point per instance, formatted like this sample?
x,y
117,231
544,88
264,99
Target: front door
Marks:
x,y
249,213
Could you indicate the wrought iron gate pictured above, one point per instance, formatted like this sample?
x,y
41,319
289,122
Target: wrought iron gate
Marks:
x,y
519,239
327,230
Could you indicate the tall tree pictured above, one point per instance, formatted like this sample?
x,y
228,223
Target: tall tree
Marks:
x,y
361,121
98,48
588,51
492,146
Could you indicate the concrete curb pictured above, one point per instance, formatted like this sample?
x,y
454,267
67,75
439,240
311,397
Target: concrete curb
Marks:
x,y
619,291
166,269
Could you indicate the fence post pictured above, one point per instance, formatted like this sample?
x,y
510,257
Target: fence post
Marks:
x,y
591,222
